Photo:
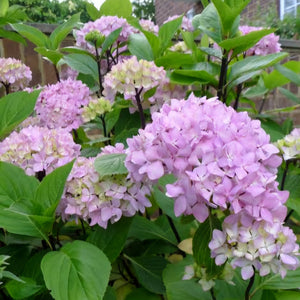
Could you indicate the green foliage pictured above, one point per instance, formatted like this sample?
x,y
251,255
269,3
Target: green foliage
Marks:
x,y
14,109
139,257
52,11
78,271
144,9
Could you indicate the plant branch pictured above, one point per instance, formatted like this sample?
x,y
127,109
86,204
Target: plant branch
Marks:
x,y
238,94
223,76
251,281
98,59
140,108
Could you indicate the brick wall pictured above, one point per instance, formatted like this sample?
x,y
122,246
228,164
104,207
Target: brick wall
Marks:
x,y
258,9
166,8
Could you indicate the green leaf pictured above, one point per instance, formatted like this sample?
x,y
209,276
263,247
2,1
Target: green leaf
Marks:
x,y
13,36
110,39
153,41
139,46
53,56
112,239
15,184
93,12
111,164
19,221
289,74
142,294
144,229
110,294
212,52
33,34
229,14
173,60
82,63
290,295
254,63
21,290
149,272
236,291
49,192
275,282
3,7
192,76
178,289
78,271
159,194
201,250
289,95
61,32
209,23
292,180
119,8
272,128
243,78
15,108
111,119
76,50
167,31
245,42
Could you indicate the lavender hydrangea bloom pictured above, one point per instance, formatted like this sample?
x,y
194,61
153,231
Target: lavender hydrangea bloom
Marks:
x,y
14,73
221,158
267,45
61,104
101,200
104,25
37,149
252,244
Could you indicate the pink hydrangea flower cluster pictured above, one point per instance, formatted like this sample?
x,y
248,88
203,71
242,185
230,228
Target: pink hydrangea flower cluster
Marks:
x,y
14,73
104,25
61,104
37,149
148,25
248,243
221,159
185,25
99,200
267,45
289,146
132,76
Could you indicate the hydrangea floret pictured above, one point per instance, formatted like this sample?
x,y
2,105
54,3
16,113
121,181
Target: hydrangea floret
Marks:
x,y
14,74
61,104
251,244
104,26
289,146
39,149
98,199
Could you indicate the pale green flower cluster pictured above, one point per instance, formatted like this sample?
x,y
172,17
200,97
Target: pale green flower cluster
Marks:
x,y
289,146
96,107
